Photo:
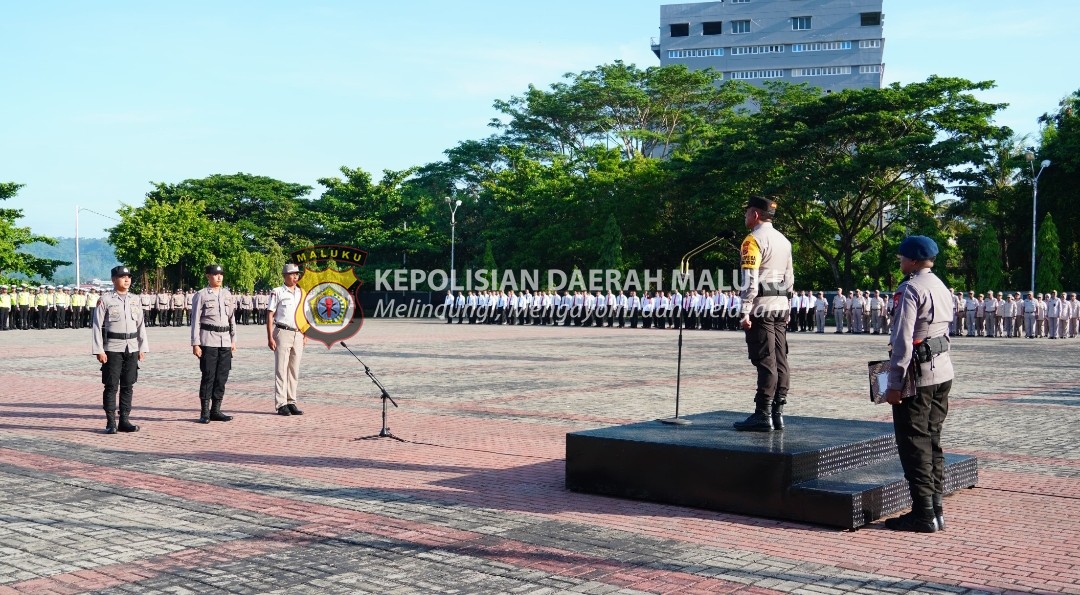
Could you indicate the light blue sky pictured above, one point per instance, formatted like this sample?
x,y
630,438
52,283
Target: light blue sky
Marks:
x,y
97,99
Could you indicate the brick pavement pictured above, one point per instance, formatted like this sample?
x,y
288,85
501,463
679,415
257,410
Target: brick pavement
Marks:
x,y
474,502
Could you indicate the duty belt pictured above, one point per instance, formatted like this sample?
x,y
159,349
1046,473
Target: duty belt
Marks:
x,y
286,327
773,290
121,336
216,329
926,349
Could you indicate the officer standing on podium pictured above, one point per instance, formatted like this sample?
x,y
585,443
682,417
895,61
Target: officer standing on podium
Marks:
x,y
768,277
118,340
213,341
920,346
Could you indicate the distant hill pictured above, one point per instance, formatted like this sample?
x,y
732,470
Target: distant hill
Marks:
x,y
96,258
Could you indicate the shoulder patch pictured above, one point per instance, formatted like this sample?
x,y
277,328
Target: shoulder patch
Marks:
x,y
751,253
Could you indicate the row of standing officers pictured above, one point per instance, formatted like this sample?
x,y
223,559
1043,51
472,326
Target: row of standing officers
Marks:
x,y
119,343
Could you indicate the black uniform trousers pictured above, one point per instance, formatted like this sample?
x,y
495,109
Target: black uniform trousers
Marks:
x,y
766,344
214,364
119,373
917,422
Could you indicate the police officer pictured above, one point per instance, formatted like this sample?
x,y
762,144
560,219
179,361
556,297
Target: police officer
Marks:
x,y
118,340
5,307
213,341
285,340
768,278
920,346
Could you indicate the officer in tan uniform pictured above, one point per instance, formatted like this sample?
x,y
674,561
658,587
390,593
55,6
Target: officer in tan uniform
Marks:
x,y
213,341
285,339
920,346
839,304
118,340
768,278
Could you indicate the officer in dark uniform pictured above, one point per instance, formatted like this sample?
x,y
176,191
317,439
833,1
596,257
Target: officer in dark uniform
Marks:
x,y
119,341
920,346
213,341
768,277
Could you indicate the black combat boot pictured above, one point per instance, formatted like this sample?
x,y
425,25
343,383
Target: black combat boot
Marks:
x,y
125,425
920,520
216,414
110,422
204,412
778,413
760,421
939,512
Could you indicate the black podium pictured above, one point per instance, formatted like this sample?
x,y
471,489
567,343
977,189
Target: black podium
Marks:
x,y
842,473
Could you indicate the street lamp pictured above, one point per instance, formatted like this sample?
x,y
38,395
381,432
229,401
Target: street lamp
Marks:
x,y
453,204
1030,156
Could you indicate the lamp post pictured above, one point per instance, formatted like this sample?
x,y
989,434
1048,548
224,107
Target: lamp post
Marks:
x,y
453,204
1030,156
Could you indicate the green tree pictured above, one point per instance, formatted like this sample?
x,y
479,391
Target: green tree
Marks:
x,y
647,112
1059,183
13,240
610,257
989,275
847,165
263,209
156,241
1048,270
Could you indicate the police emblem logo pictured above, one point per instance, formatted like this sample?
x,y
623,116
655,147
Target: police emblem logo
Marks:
x,y
330,311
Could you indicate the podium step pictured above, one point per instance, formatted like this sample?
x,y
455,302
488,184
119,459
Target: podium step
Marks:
x,y
842,473
856,497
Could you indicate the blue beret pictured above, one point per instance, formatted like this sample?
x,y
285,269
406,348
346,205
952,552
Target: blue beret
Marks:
x,y
918,248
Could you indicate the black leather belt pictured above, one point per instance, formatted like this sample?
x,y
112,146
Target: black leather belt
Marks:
x,y
286,327
121,336
216,329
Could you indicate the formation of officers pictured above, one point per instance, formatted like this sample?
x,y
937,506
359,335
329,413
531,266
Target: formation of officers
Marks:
x,y
119,342
24,307
869,312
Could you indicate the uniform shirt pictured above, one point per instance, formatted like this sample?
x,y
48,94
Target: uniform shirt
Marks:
x,y
766,260
875,303
178,301
214,308
118,313
284,302
839,302
92,300
5,300
1053,306
821,305
924,311
164,301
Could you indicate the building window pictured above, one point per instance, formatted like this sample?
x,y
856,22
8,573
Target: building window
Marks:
x,y
800,23
821,71
712,28
821,46
680,29
740,26
870,19
757,74
740,1
696,53
743,50
871,69
869,44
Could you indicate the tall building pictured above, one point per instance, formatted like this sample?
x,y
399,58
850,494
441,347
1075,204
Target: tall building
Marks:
x,y
832,44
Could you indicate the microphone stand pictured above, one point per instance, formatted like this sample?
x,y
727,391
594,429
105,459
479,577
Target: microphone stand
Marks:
x,y
684,268
384,432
